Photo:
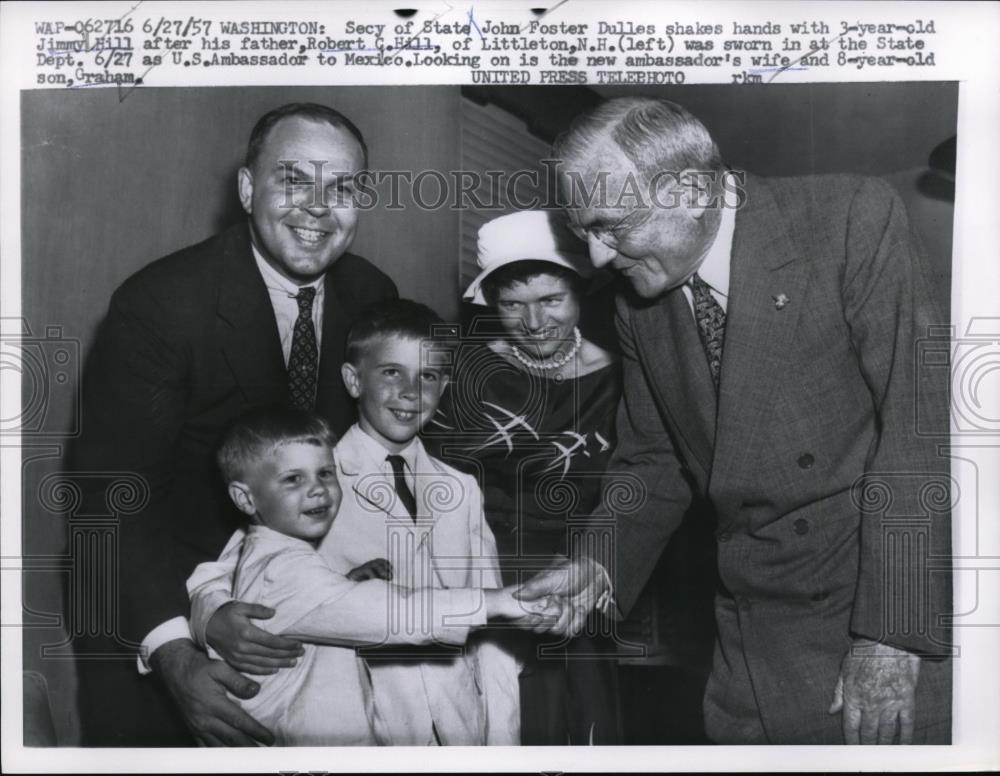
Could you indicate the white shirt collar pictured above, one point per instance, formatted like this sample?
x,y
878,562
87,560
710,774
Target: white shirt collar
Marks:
x,y
376,450
270,537
715,267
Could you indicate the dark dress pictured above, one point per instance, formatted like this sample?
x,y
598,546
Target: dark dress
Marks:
x,y
538,447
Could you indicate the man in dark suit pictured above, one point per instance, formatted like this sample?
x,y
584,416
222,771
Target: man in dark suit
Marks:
x,y
257,314
769,341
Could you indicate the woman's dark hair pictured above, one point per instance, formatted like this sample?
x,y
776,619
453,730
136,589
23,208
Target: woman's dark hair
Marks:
x,y
523,271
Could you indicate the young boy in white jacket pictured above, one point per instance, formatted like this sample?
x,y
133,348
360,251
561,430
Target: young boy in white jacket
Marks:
x,y
403,513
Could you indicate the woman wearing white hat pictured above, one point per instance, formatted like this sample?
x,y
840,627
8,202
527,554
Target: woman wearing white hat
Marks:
x,y
535,408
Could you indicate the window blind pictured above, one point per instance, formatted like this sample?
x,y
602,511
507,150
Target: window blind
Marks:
x,y
495,145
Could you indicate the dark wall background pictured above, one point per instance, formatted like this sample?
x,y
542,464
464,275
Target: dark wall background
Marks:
x,y
108,186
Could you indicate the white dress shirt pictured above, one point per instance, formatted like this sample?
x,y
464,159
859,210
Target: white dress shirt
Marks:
x,y
282,292
714,267
376,450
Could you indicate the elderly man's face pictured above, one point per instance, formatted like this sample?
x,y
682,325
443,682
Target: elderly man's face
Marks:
x,y
656,247
298,196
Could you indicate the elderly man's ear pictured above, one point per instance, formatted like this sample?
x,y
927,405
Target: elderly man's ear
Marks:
x,y
700,190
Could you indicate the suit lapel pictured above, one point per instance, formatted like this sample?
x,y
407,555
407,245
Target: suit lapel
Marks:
x,y
438,493
679,370
339,309
765,265
374,490
443,504
250,340
249,333
329,386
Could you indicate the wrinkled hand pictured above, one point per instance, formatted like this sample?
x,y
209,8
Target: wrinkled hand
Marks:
x,y
379,568
246,647
876,693
503,603
198,686
579,583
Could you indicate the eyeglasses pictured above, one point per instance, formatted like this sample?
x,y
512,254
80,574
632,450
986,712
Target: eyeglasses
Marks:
x,y
611,235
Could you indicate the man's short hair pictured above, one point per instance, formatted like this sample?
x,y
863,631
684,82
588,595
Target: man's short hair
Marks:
x,y
258,431
311,111
655,135
390,318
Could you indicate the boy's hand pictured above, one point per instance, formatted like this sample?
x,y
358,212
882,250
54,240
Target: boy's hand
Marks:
x,y
198,685
528,614
379,568
246,647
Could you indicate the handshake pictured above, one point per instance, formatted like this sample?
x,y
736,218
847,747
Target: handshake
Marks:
x,y
559,599
556,600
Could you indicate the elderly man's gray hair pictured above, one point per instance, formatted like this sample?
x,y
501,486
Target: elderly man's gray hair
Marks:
x,y
655,135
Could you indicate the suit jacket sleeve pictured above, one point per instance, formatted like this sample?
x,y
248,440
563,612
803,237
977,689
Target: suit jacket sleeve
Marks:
x,y
134,395
888,307
482,543
644,487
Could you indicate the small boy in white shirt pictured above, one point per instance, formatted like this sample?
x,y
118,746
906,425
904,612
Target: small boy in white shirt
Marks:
x,y
281,472
398,503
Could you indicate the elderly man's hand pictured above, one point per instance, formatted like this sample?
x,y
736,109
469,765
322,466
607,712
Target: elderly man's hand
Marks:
x,y
198,686
876,693
581,583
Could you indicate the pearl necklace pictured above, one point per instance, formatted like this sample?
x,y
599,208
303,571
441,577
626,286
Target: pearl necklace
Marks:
x,y
557,360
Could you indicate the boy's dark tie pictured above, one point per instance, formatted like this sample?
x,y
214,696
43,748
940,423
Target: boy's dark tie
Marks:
x,y
304,355
402,489
711,319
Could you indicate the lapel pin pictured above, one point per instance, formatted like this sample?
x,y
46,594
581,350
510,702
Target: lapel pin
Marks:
x,y
780,301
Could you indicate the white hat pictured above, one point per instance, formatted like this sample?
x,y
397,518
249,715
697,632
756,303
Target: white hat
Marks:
x,y
539,235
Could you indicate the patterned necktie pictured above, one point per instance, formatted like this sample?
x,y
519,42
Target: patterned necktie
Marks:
x,y
402,489
304,356
711,319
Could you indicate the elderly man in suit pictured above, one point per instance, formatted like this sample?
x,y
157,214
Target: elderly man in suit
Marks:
x,y
257,314
768,331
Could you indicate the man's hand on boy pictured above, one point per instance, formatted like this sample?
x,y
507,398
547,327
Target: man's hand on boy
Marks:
x,y
198,685
243,645
379,568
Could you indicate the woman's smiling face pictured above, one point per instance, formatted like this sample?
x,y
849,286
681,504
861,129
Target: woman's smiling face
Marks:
x,y
539,313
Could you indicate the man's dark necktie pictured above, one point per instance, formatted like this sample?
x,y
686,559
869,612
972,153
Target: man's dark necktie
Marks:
x,y
403,491
304,356
711,319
